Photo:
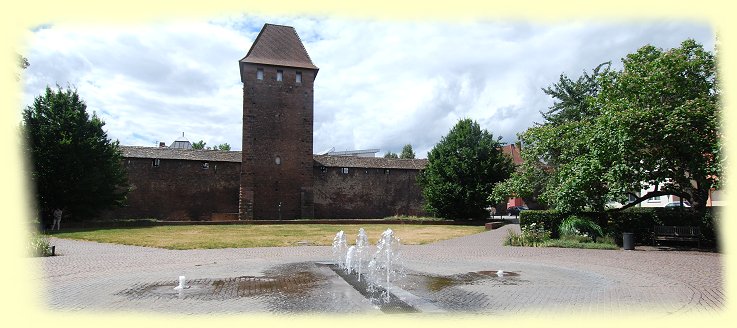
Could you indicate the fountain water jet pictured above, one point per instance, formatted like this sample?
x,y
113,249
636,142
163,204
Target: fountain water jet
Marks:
x,y
373,278
339,249
362,246
385,266
182,281
349,257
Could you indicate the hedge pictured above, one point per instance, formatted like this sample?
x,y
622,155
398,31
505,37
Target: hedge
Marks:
x,y
638,220
549,219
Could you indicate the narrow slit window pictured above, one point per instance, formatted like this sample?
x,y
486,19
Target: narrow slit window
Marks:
x,y
156,162
260,74
298,79
344,170
279,75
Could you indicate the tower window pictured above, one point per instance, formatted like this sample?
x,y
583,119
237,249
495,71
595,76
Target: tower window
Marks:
x,y
155,163
279,75
260,74
298,79
344,170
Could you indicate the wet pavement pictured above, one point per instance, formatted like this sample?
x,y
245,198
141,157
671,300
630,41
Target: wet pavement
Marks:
x,y
453,276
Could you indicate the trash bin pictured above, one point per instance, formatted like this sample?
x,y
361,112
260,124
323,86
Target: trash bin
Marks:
x,y
628,241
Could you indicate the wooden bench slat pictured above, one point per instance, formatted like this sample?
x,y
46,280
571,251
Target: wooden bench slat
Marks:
x,y
677,233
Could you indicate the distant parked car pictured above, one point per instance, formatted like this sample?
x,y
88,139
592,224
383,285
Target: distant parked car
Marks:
x,y
678,204
514,210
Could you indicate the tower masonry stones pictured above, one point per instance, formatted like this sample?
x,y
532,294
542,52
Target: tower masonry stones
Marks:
x,y
276,178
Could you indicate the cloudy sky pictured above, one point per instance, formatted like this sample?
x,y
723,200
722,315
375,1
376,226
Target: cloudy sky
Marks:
x,y
382,84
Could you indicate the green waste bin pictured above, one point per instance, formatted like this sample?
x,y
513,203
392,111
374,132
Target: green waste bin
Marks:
x,y
628,241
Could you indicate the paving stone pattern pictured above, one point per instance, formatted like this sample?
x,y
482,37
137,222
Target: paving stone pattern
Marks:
x,y
453,275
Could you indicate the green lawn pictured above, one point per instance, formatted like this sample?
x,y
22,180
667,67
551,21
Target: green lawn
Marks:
x,y
226,236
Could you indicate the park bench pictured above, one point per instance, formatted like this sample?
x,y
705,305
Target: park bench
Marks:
x,y
676,233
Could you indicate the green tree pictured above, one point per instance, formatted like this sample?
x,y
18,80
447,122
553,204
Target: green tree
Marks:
x,y
654,123
461,171
407,152
573,98
74,165
199,145
660,123
552,151
391,155
223,146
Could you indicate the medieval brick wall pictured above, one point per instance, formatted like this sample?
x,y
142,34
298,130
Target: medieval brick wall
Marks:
x,y
277,143
179,189
366,193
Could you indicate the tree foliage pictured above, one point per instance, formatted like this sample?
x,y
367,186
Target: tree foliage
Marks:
x,y
407,152
662,114
573,98
391,155
613,133
223,146
461,171
74,164
552,166
199,145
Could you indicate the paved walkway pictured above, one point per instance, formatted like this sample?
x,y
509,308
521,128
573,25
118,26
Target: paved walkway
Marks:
x,y
95,276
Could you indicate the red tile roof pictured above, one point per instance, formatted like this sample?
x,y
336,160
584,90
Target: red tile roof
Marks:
x,y
512,150
279,45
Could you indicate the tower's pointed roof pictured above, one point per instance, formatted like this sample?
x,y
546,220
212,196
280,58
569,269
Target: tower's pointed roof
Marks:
x,y
279,45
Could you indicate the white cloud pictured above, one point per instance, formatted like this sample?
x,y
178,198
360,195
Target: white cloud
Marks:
x,y
381,84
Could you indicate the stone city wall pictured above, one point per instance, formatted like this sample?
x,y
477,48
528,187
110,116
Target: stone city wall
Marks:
x,y
179,189
364,193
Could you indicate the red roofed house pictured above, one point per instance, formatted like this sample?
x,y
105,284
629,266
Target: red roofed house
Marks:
x,y
513,151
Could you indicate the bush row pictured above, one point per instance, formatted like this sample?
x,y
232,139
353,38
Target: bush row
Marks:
x,y
638,220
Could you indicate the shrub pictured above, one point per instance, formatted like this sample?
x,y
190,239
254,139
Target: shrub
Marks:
x,y
532,235
567,243
640,221
545,218
606,240
39,245
513,239
578,226
576,238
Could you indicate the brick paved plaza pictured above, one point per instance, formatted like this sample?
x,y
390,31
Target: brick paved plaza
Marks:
x,y
446,276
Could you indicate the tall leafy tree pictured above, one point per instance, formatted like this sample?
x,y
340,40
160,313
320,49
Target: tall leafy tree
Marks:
x,y
660,123
390,155
654,123
573,98
74,165
553,152
407,152
461,171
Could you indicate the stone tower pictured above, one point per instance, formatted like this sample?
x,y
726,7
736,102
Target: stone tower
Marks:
x,y
276,179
